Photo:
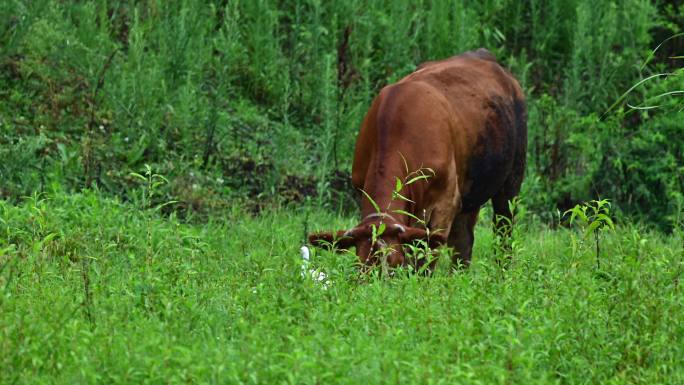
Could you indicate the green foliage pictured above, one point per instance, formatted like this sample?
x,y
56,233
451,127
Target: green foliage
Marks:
x,y
411,177
87,295
594,215
254,100
241,103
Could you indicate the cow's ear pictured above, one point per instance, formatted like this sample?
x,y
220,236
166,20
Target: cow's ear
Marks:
x,y
414,234
326,239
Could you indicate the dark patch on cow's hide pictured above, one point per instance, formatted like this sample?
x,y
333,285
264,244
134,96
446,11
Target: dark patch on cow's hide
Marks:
x,y
520,158
499,157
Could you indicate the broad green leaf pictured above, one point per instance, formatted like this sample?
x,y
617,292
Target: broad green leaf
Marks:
x,y
135,174
381,229
593,226
605,219
610,223
162,177
398,186
49,237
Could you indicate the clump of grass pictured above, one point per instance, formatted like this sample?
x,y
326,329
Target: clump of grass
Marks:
x,y
225,300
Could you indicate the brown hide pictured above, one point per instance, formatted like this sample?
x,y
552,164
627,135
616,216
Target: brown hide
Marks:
x,y
462,117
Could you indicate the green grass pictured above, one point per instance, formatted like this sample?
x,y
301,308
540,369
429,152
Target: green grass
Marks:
x,y
97,291
248,105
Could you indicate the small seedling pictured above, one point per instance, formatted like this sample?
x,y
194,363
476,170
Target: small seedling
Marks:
x,y
151,182
507,235
594,216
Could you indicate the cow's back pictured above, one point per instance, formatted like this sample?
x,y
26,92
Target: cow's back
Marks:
x,y
469,80
489,130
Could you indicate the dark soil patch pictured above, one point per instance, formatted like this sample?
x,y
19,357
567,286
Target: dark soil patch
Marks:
x,y
295,189
256,180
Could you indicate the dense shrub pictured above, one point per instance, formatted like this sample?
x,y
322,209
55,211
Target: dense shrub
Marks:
x,y
240,98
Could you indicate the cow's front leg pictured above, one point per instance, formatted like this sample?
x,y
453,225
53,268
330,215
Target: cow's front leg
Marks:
x,y
443,213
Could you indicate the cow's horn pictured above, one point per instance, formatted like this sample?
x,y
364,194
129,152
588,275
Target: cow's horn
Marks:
x,y
400,227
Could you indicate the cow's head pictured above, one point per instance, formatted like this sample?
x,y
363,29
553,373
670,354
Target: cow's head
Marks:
x,y
377,236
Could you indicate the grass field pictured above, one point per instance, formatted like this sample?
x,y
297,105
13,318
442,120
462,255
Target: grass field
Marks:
x,y
93,290
250,110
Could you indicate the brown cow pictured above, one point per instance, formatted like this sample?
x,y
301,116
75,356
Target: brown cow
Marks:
x,y
463,118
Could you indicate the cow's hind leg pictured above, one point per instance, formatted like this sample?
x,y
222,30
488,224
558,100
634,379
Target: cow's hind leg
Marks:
x,y
462,237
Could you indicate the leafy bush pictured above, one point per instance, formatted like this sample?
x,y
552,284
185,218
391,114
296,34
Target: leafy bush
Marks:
x,y
259,94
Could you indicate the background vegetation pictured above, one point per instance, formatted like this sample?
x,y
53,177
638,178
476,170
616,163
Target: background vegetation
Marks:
x,y
161,161
263,99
